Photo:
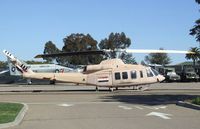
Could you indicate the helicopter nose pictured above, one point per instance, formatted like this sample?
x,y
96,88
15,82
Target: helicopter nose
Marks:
x,y
160,78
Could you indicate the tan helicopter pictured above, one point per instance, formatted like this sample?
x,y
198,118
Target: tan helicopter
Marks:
x,y
111,73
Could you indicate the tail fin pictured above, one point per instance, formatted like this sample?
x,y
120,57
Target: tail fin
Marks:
x,y
19,65
13,69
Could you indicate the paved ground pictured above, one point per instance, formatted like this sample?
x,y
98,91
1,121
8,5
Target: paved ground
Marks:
x,y
72,87
82,108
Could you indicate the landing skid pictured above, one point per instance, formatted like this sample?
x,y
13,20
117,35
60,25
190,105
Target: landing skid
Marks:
x,y
135,88
141,88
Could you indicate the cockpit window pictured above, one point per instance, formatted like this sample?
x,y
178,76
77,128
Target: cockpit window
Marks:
x,y
155,72
149,73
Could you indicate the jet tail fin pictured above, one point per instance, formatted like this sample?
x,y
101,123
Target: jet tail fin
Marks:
x,y
13,69
20,66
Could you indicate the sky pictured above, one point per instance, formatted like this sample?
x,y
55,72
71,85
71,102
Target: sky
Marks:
x,y
26,25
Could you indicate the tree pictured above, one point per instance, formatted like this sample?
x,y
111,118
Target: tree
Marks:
x,y
117,41
127,58
3,64
158,58
35,62
50,48
194,56
198,1
195,31
80,42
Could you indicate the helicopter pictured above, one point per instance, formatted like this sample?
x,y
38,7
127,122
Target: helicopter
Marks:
x,y
111,73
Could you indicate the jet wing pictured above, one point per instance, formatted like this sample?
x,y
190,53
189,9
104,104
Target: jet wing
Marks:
x,y
2,72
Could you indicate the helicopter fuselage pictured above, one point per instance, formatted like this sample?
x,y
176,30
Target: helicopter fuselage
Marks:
x,y
109,73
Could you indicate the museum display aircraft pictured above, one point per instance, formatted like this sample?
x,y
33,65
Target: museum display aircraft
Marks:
x,y
4,71
37,68
111,73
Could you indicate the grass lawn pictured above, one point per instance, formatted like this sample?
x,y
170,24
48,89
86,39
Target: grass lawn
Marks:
x,y
9,111
196,101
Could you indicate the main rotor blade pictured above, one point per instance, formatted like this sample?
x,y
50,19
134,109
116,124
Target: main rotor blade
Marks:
x,y
108,50
157,51
70,53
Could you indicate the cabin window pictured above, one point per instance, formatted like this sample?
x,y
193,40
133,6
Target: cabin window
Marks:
x,y
141,74
124,75
149,73
117,76
133,74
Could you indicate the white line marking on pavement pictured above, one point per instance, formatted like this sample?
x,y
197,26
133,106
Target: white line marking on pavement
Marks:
x,y
152,108
125,107
162,107
65,105
156,107
161,115
138,107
